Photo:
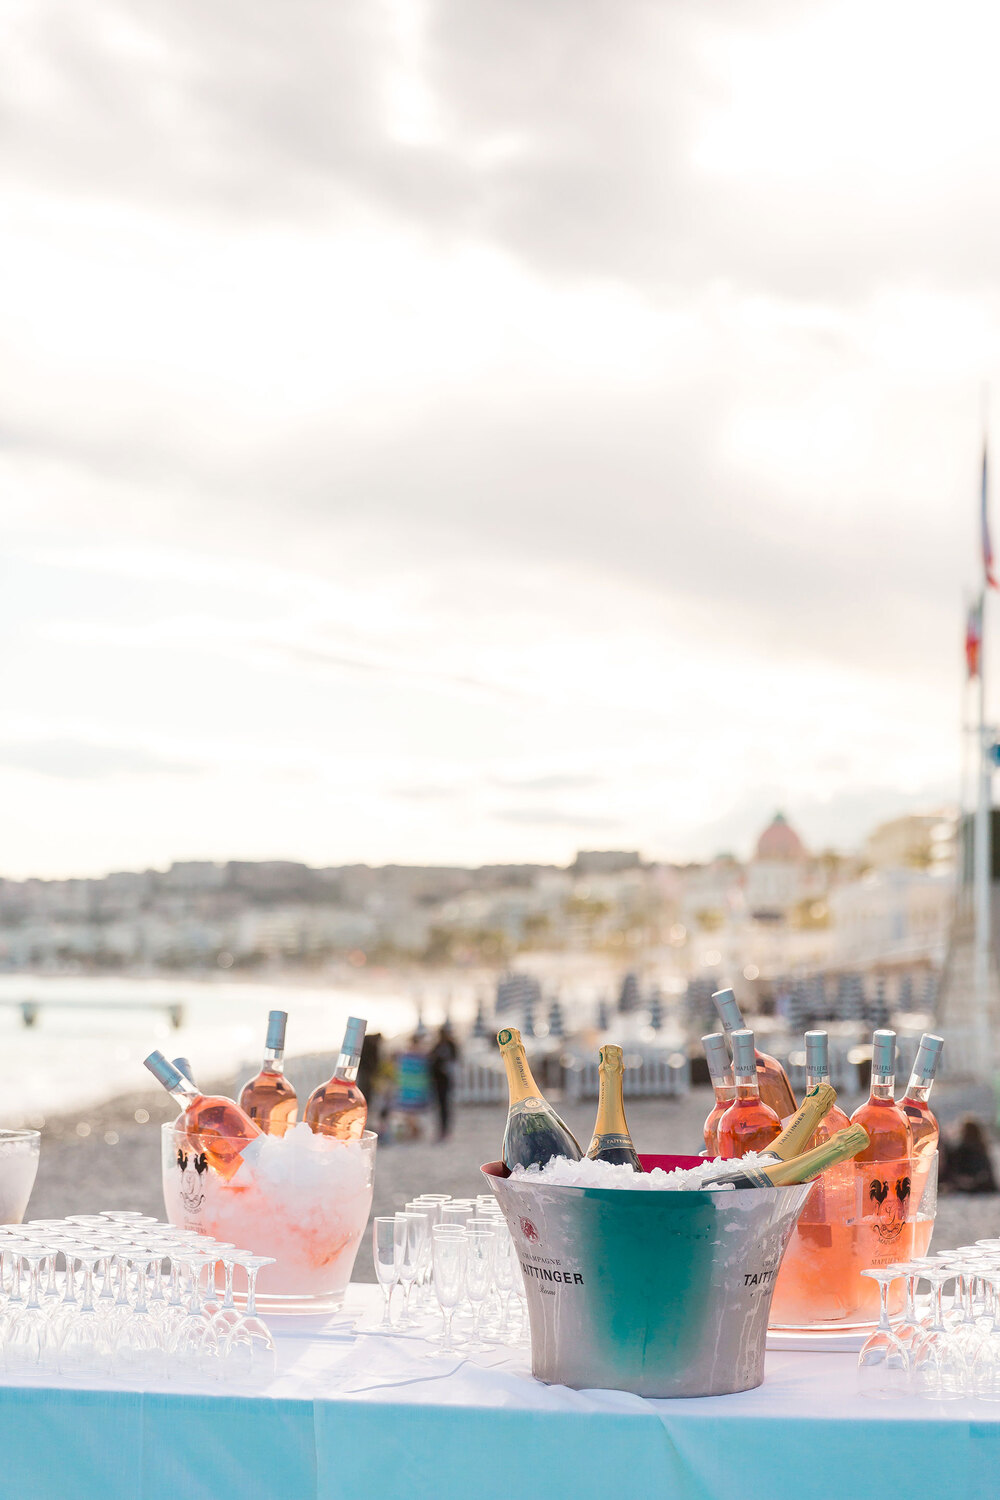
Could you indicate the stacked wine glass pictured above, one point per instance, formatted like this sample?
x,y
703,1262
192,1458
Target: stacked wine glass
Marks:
x,y
455,1254
121,1295
948,1346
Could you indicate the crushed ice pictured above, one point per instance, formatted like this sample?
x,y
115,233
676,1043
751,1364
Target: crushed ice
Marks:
x,y
561,1172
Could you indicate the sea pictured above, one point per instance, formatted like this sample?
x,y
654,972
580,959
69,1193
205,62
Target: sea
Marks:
x,y
91,1034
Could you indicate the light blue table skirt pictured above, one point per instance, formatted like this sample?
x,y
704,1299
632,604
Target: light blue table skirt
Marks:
x,y
80,1445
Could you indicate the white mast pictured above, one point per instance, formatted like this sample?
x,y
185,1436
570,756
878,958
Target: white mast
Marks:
x,y
981,864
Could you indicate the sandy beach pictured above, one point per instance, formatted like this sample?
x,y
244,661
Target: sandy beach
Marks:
x,y
109,1156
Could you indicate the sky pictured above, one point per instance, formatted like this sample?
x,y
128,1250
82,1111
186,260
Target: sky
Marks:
x,y
463,433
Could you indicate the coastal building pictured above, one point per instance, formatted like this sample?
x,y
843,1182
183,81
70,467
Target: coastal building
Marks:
x,y
893,917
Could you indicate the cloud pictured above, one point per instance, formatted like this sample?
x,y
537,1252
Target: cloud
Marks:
x,y
554,782
82,760
647,143
554,817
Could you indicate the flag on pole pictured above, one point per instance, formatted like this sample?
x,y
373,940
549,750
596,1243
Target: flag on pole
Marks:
x,y
973,637
988,572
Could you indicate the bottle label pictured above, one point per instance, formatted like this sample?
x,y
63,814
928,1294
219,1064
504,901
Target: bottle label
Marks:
x,y
190,1189
606,1141
533,1105
886,1202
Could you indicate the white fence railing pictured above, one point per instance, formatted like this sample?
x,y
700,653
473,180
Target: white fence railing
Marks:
x,y
658,1076
479,1084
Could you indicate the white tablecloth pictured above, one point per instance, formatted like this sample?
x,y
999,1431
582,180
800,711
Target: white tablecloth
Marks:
x,y
358,1413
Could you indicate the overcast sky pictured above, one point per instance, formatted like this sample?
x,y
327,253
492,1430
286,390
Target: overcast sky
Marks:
x,y
473,431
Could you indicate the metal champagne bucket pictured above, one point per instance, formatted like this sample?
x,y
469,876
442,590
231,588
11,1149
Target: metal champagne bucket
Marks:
x,y
659,1293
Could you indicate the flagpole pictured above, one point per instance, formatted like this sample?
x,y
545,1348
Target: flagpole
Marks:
x,y
983,831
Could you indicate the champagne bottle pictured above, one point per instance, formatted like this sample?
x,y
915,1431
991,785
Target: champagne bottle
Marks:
x,y
804,1168
216,1125
720,1071
799,1130
775,1089
923,1124
611,1140
269,1098
534,1133
338,1107
748,1124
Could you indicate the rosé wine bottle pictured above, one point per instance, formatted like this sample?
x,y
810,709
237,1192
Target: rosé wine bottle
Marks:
x,y
338,1107
772,1080
884,1229
818,1071
925,1133
748,1124
923,1124
216,1125
269,1098
720,1070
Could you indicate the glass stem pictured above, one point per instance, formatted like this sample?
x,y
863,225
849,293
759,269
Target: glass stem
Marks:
x,y
88,1287
140,1287
883,1310
252,1291
938,1307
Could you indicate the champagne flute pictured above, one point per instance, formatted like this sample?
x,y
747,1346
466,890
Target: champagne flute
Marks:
x,y
249,1349
882,1363
449,1252
26,1333
85,1348
387,1249
480,1253
985,1368
939,1366
415,1228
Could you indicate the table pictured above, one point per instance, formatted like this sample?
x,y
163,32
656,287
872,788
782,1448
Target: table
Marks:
x,y
376,1418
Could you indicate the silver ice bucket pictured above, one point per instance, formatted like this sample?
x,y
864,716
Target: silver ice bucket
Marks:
x,y
660,1293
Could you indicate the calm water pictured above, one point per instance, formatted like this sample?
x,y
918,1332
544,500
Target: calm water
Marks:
x,y
86,1048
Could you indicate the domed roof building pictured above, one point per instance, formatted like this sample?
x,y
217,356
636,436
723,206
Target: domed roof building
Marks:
x,y
780,842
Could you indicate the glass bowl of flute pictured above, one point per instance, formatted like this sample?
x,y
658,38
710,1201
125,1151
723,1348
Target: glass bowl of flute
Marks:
x,y
302,1195
872,1210
303,1199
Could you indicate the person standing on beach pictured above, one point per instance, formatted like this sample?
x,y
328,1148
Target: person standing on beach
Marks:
x,y
443,1060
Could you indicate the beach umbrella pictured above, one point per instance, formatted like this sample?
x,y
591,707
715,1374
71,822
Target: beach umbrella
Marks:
x,y
629,997
878,1008
603,1022
656,1008
797,1007
928,999
904,1000
557,1025
480,1029
699,1006
819,1005
850,998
